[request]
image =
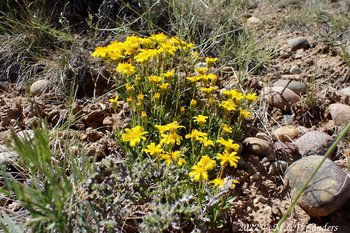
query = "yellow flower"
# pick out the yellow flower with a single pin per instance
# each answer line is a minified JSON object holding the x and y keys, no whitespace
{"x":182,"y":109}
{"x":200,"y":120}
{"x":130,"y":101}
{"x":129,"y":88}
{"x":140,"y":97}
{"x":227,"y":157}
{"x":201,"y":70}
{"x":153,"y":149}
{"x":212,"y":77}
{"x":100,"y":52}
{"x":166,"y":157}
{"x":207,"y":90}
{"x":156,"y":96}
{"x":126,"y":68}
{"x":234,"y":182}
{"x":181,"y":162}
{"x":167,"y":48}
{"x":169,"y":74}
{"x":206,"y":142}
{"x":244,"y":114}
{"x":194,"y":79}
{"x":195,"y":134}
{"x":144,"y":117}
{"x":199,"y":173}
{"x":218,"y":182}
{"x":170,"y":139}
{"x":228,"y":144}
{"x":207,"y":162}
{"x":193,"y":103}
{"x":114,"y":100}
{"x":233,"y":94}
{"x":210,"y":61}
{"x":251,"y":97}
{"x":164,"y":86}
{"x":228,"y":105}
{"x":146,"y":54}
{"x":172,"y":127}
{"x":155,"y":79}
{"x":159,"y":38}
{"x":226,"y":128}
{"x":134,"y":135}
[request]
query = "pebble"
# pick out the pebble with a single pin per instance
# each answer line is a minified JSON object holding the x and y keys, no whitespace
{"x":253,"y":21}
{"x":277,"y":167}
{"x":6,"y":155}
{"x":340,"y":113}
{"x":328,"y":190}
{"x":286,"y":133}
{"x":39,"y":87}
{"x":258,"y":146}
{"x":285,"y":54}
{"x":296,"y":86}
{"x":313,"y":142}
{"x":295,"y":70}
{"x":280,"y":97}
{"x":298,"y":43}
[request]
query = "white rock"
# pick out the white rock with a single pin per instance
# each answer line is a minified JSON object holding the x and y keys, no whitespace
{"x":38,"y":87}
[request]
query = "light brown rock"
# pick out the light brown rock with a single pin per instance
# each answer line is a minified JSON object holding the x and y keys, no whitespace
{"x":258,"y":146}
{"x":286,"y":133}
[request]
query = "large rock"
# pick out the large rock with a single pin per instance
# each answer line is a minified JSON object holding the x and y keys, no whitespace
{"x":340,"y":113}
{"x":39,"y":87}
{"x":280,"y":97}
{"x":296,"y":86}
{"x":328,"y":190}
{"x":313,"y":142}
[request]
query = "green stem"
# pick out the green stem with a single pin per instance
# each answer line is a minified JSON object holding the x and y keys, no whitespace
{"x":301,"y":191}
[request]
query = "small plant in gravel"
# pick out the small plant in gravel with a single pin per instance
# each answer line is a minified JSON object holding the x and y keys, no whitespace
{"x":180,"y":118}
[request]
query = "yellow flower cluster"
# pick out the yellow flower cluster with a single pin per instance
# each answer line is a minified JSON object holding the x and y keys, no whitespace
{"x":161,"y":83}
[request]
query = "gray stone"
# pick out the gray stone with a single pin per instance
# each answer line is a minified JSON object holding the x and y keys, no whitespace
{"x":313,"y":142}
{"x":328,"y":190}
{"x":298,"y":43}
{"x":295,"y":70}
{"x":280,"y":97}
{"x":6,"y":155}
{"x":39,"y":87}
{"x":340,"y":113}
{"x":296,"y":86}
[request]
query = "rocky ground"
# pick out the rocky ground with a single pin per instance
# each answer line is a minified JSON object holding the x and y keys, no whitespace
{"x":304,"y":103}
